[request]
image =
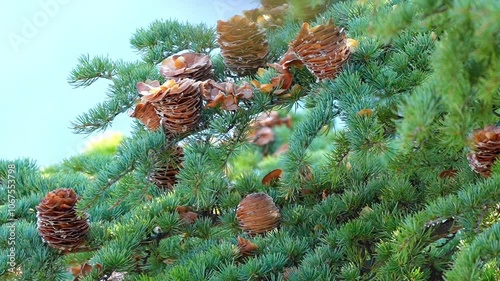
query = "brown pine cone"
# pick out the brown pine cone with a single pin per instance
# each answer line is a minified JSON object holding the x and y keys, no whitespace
{"x":323,"y":49}
{"x":164,"y":173}
{"x":257,"y":213}
{"x":187,"y":65}
{"x":261,"y":132}
{"x":178,"y":103}
{"x":225,"y":94}
{"x":487,"y":150}
{"x":146,"y":113}
{"x":57,"y":221}
{"x":243,"y":44}
{"x":186,"y":215}
{"x":246,"y":247}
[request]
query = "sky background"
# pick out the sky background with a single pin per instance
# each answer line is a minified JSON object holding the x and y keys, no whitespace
{"x":41,"y":41}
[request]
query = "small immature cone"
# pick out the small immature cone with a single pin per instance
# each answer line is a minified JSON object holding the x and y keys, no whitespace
{"x":323,"y":49}
{"x":80,"y":271}
{"x":257,"y":213}
{"x":246,"y":247}
{"x":243,"y":44}
{"x":187,"y":65}
{"x":57,"y":221}
{"x":164,"y":173}
{"x":487,"y":150}
{"x":186,"y":215}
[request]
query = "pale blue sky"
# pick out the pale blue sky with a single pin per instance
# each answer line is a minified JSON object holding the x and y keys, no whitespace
{"x":40,"y":43}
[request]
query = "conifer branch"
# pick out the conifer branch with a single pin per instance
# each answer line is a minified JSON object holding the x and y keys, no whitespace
{"x":476,"y":261}
{"x":89,"y":70}
{"x":164,"y":38}
{"x":122,"y":95}
{"x":294,"y":160}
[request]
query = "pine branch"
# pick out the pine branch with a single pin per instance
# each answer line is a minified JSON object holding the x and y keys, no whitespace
{"x":477,"y":260}
{"x":295,"y":165}
{"x":164,"y":38}
{"x":129,"y":152}
{"x":122,"y":94}
{"x":412,"y":238}
{"x":89,"y":70}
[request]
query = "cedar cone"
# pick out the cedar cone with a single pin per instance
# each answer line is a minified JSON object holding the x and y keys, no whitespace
{"x":178,"y":103}
{"x":146,"y":113}
{"x":487,"y":150}
{"x":323,"y":49}
{"x":57,"y":221}
{"x":164,"y":173}
{"x":186,"y":215}
{"x":246,"y":247}
{"x":261,"y":136}
{"x":187,"y":65}
{"x":243,"y":44}
{"x":262,"y":133}
{"x":80,"y":271}
{"x":225,"y":94}
{"x":257,"y":213}
{"x":272,"y":119}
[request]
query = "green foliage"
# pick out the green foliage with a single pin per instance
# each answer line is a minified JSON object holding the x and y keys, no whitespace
{"x":89,"y":70}
{"x":375,"y":185}
{"x":163,"y":38}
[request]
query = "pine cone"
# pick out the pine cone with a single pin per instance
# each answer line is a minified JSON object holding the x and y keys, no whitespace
{"x":323,"y":49}
{"x":187,"y":65}
{"x":243,"y":44}
{"x":57,"y":221}
{"x":246,"y":247}
{"x":262,"y":133}
{"x":186,"y":215}
{"x":272,"y":119}
{"x":178,"y":103}
{"x":164,"y":173}
{"x":146,"y":113}
{"x":225,"y":94}
{"x":257,"y":213}
{"x":261,"y":136}
{"x":487,"y":150}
